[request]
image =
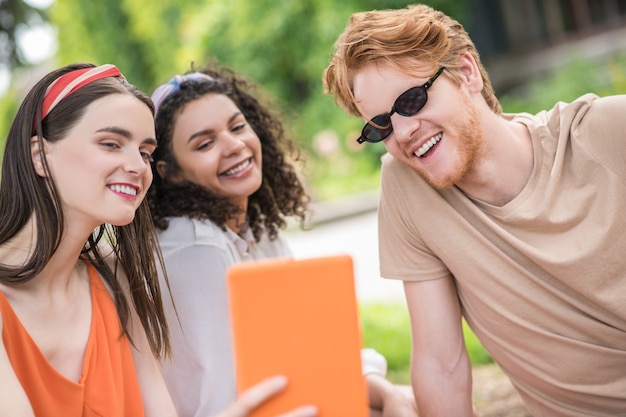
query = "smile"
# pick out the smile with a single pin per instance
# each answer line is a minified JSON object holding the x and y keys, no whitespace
{"x":123,"y":189}
{"x":428,"y":145}
{"x":238,"y":168}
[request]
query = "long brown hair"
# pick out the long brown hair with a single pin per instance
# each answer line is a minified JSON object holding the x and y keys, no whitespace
{"x":25,"y":195}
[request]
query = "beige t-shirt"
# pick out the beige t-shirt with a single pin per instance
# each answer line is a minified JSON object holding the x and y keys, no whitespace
{"x":541,"y":280}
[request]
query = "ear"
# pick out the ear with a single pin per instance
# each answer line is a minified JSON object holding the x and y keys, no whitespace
{"x":161,"y":168}
{"x":36,"y":155}
{"x":470,"y":74}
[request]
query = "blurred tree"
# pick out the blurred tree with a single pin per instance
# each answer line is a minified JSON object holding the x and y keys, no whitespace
{"x":103,"y":34}
{"x":283,"y":45}
{"x":16,"y":16}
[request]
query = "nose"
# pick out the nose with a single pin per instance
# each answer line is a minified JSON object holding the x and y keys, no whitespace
{"x":135,"y":162}
{"x":232,"y":144}
{"x":404,"y":127}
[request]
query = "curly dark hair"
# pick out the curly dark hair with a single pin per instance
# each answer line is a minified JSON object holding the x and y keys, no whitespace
{"x":281,"y":193}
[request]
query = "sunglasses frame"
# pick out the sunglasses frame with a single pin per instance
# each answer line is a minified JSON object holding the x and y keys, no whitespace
{"x":386,"y":117}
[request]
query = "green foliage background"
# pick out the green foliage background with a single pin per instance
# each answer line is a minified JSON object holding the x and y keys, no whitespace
{"x":579,"y":76}
{"x":283,"y":45}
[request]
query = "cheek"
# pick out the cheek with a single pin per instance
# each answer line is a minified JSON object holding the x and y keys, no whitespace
{"x":391,"y":146}
{"x":259,"y":157}
{"x":253,"y":142}
{"x":200,"y":169}
{"x":148,"y":177}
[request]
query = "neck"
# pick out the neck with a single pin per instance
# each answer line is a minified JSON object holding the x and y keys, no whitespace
{"x":61,"y":266}
{"x":504,"y":166}
{"x":236,"y":224}
{"x":19,"y":248}
{"x":238,"y":221}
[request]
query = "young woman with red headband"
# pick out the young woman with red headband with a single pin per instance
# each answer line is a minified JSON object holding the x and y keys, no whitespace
{"x":81,"y":317}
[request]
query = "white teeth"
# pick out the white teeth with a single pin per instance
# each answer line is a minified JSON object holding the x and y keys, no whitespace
{"x":426,"y":147}
{"x":124,"y":189}
{"x":238,"y":168}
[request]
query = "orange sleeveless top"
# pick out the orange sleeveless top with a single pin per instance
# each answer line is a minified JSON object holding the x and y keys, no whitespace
{"x":108,"y":385}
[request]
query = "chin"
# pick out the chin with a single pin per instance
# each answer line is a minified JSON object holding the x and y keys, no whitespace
{"x":122,"y":220}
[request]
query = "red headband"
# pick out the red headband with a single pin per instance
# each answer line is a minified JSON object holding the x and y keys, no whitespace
{"x":67,"y":83}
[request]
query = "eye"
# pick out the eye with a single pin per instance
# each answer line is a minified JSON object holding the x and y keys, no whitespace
{"x":146,"y":150}
{"x":205,"y":144}
{"x":111,"y":145}
{"x":147,"y":156}
{"x":239,"y":127}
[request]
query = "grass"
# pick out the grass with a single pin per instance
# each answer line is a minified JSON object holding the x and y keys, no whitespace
{"x":386,"y":327}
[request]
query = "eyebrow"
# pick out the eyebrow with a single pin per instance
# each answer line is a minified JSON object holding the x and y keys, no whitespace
{"x":209,"y":131}
{"x":126,"y":133}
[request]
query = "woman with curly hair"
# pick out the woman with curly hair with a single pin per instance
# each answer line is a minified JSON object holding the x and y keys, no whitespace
{"x":223,"y":186}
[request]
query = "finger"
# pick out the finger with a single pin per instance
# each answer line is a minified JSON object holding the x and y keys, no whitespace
{"x":305,"y":411}
{"x":257,"y":395}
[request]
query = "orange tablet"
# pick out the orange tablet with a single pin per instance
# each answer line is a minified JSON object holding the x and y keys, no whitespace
{"x":299,"y":318}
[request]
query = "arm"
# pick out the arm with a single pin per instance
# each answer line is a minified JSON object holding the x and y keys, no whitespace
{"x":440,"y":367}
{"x":156,"y":399}
{"x":155,"y":396}
{"x":12,"y":396}
{"x":201,"y":375}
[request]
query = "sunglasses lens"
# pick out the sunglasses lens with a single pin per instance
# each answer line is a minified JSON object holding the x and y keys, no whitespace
{"x":407,"y":104}
{"x":411,"y":101}
{"x":378,"y":129}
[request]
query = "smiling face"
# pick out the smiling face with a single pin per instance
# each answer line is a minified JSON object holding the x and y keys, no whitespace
{"x":442,"y":141}
{"x":102,"y":167}
{"x":216,"y":148}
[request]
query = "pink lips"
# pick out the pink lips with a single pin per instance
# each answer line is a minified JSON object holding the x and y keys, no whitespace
{"x":238,"y":170}
{"x":128,"y":191}
{"x":428,"y":145}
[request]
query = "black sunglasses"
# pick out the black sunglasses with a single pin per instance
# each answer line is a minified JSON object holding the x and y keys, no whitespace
{"x":407,"y":104}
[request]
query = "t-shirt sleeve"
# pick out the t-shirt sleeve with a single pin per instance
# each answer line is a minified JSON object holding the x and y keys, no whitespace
{"x":403,"y":253}
{"x":600,"y":128}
